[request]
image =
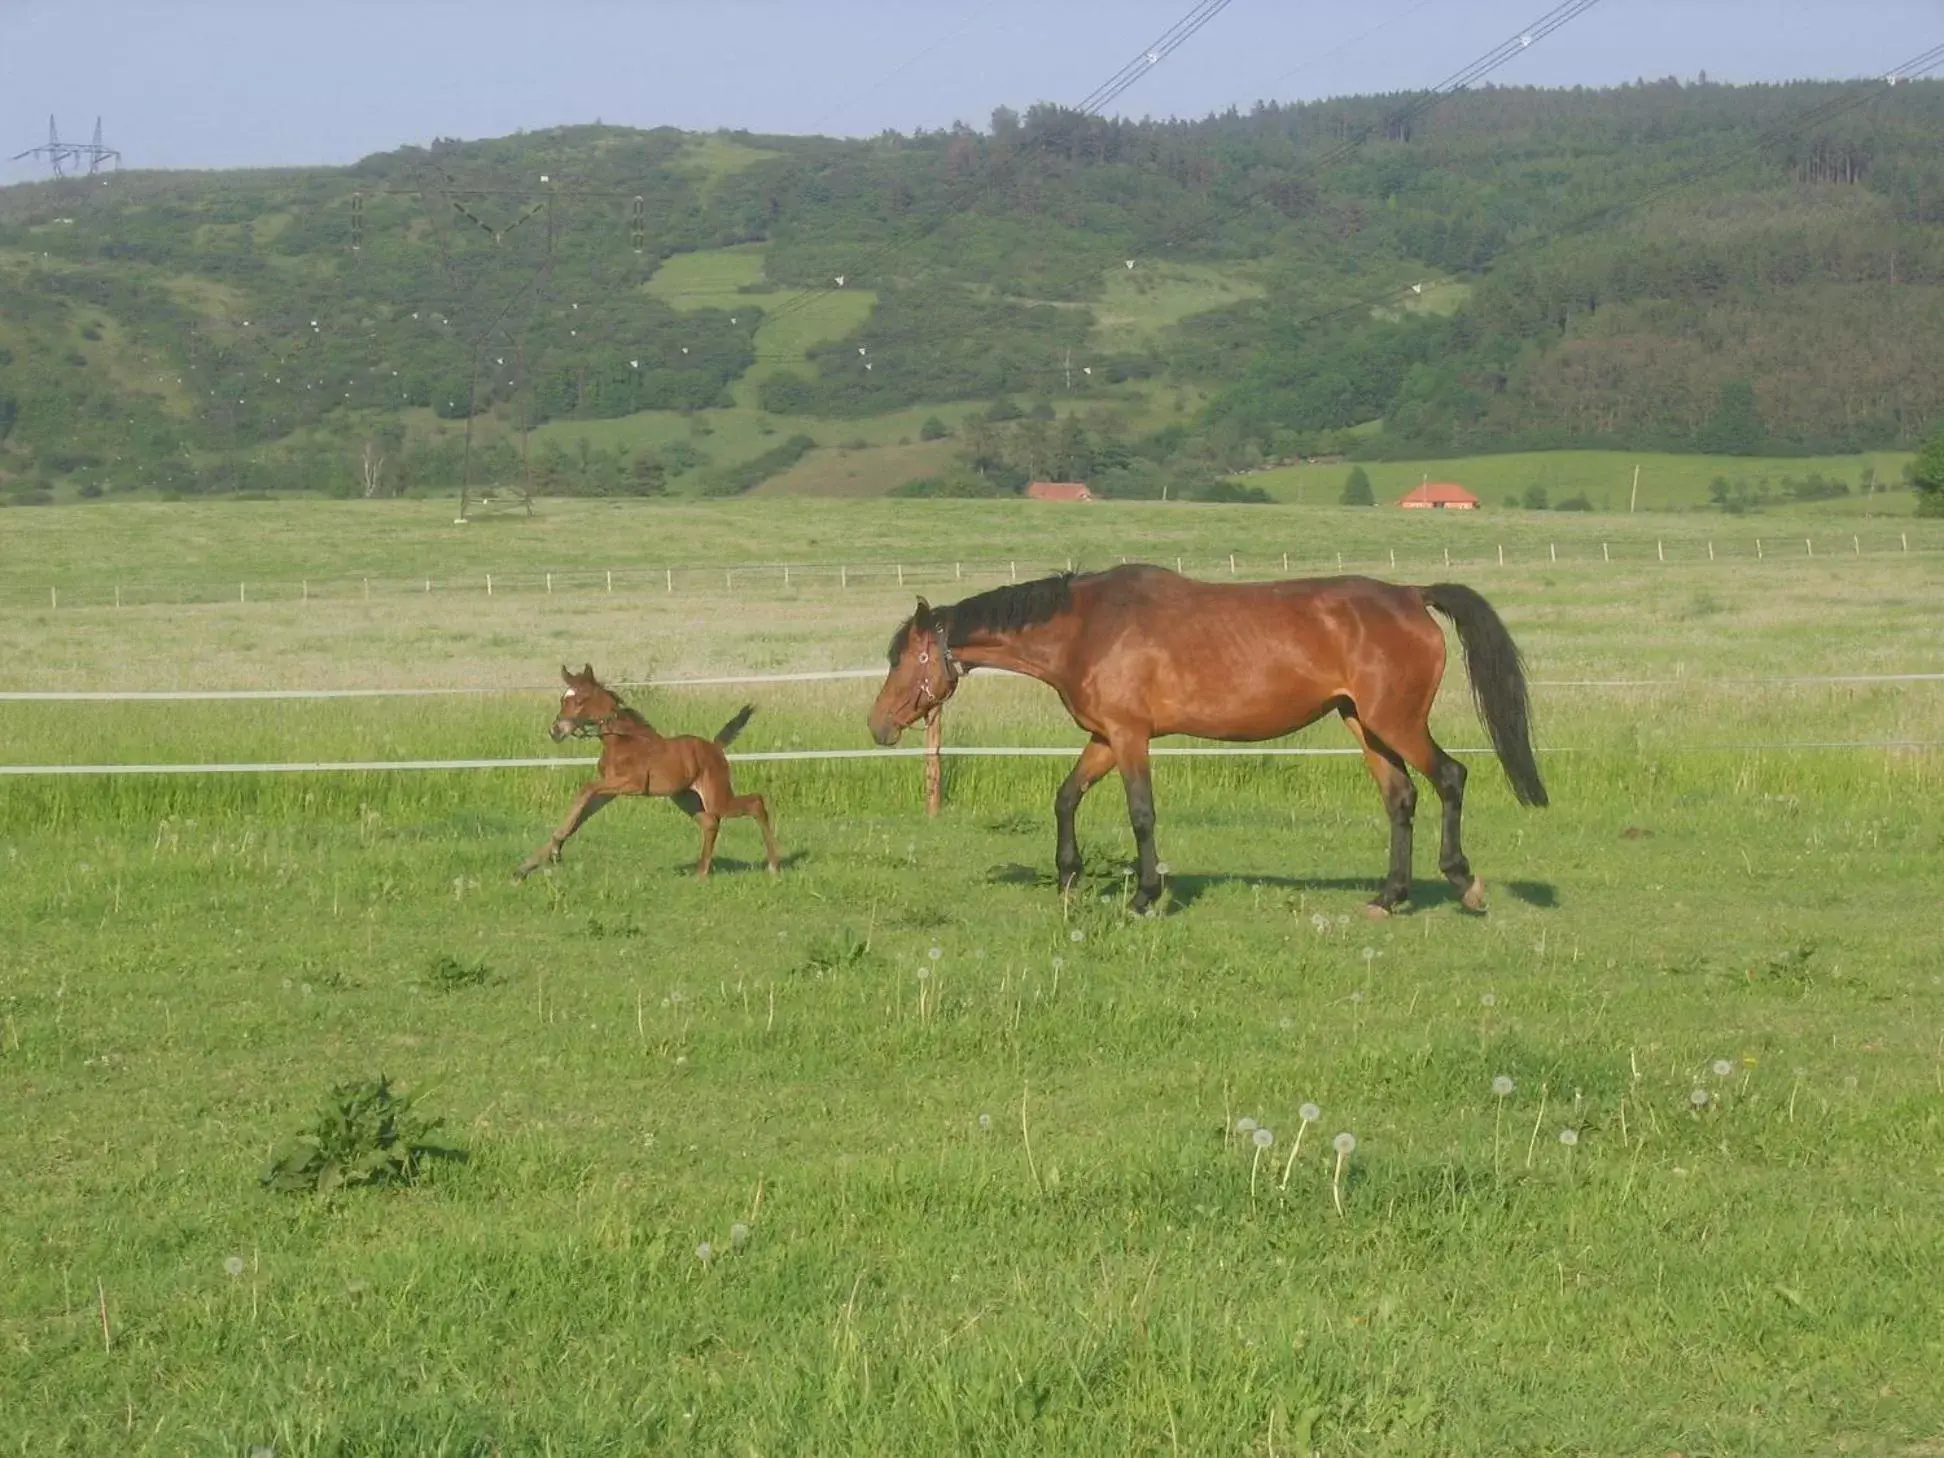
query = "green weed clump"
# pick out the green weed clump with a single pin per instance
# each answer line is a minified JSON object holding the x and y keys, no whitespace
{"x":451,"y":974}
{"x":364,"y":1134}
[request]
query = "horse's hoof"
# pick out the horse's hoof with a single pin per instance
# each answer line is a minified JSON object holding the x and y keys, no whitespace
{"x":1474,"y":897}
{"x":1377,"y":911}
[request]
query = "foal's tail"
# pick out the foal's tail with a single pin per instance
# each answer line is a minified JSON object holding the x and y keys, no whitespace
{"x":1498,"y":683}
{"x":727,"y":733}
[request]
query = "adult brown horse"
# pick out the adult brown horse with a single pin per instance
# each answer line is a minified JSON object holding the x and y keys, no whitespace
{"x":1139,"y":651}
{"x":635,"y":760}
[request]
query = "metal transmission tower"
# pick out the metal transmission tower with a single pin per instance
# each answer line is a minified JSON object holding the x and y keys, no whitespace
{"x":61,"y":155}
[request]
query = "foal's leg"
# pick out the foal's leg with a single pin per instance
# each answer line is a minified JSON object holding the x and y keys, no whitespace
{"x":753,"y":806}
{"x":1132,"y":756}
{"x":593,"y":795}
{"x":1393,"y":779}
{"x":1095,"y":760}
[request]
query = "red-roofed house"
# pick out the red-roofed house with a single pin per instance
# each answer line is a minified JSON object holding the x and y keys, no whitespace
{"x":1059,"y":491}
{"x":1439,"y":496}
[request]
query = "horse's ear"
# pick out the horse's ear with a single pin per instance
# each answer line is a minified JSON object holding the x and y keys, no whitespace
{"x":566,"y":674}
{"x":923,"y":615}
{"x":587,"y":673}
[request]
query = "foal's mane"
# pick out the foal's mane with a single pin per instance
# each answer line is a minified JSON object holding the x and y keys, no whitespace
{"x":623,"y":713}
{"x":1000,"y":611}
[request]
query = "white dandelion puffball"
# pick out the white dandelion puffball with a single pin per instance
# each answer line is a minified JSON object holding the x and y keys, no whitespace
{"x":1310,"y":1113}
{"x":739,"y":1235}
{"x":935,"y":953}
{"x":1490,"y":999}
{"x":1503,"y":1085}
{"x":233,"y":1266}
{"x":1262,"y":1138}
{"x":985,"y":1123}
{"x":704,"y":1252}
{"x":1245,"y":1125}
{"x":1699,"y":1098}
{"x":1345,"y":1143}
{"x":1722,"y":1068}
{"x":1569,"y":1137}
{"x":1076,"y":935}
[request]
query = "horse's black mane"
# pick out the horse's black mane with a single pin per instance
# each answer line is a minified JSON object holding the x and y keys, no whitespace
{"x":1002,"y":610}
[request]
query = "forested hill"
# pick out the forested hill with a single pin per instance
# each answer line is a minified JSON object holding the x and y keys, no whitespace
{"x":1689,"y":266}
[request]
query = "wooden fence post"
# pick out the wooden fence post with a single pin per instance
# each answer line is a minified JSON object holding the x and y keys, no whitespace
{"x":934,"y":765}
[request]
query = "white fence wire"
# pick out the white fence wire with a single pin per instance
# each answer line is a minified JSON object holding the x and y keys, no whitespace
{"x":1623,"y":549}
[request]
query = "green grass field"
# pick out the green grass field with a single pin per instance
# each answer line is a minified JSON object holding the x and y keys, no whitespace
{"x":1668,"y":482}
{"x":713,"y":279}
{"x":1139,"y":304}
{"x":981,"y":1144}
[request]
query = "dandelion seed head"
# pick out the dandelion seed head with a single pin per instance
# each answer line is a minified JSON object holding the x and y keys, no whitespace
{"x":1262,"y":1139}
{"x":1245,"y":1125}
{"x":985,"y":1123}
{"x":705,"y":1252}
{"x":233,"y":1265}
{"x":1569,"y":1137}
{"x":1345,"y":1143}
{"x":1489,"y":999}
{"x":1722,"y":1068}
{"x":924,"y":973}
{"x":1309,"y":1113}
{"x":935,"y":953}
{"x":739,"y":1235}
{"x":1503,"y":1085}
{"x":1699,"y":1098}
{"x":1356,"y":997}
{"x":1058,"y":963}
{"x":1076,"y":935}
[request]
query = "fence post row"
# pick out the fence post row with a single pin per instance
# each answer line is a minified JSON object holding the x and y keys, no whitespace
{"x":1012,"y":569}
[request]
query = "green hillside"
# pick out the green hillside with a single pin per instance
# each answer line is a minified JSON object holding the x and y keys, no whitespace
{"x":1156,"y":306}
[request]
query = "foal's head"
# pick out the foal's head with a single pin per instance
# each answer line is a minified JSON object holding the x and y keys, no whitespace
{"x":923,"y":674}
{"x":585,"y":704}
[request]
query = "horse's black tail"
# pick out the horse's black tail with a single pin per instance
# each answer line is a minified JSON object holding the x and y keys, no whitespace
{"x":727,"y":733}
{"x":1498,"y":683}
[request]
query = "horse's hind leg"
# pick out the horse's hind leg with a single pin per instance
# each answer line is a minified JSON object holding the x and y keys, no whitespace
{"x":711,"y":825}
{"x":753,"y":806}
{"x":1448,"y":775}
{"x":1132,"y":756}
{"x":1393,"y":779}
{"x":1414,"y":743}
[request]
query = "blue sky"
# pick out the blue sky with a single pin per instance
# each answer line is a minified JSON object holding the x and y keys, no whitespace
{"x":217,"y":83}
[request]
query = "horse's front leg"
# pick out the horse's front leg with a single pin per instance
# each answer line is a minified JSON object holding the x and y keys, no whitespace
{"x":1133,"y":759}
{"x":593,"y":795}
{"x":1095,"y":760}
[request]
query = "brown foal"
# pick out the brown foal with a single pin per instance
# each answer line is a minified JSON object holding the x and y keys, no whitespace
{"x":1137,"y":652}
{"x":635,"y":760}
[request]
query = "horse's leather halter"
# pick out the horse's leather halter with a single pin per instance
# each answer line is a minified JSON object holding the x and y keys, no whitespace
{"x":924,"y":701}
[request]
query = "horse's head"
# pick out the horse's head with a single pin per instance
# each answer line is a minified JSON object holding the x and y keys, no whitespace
{"x":923,"y":674}
{"x":585,"y":704}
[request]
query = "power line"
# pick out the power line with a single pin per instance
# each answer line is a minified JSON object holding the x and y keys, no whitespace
{"x":1465,"y":77}
{"x":1117,"y":85}
{"x":898,"y":70}
{"x":1915,"y":68}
